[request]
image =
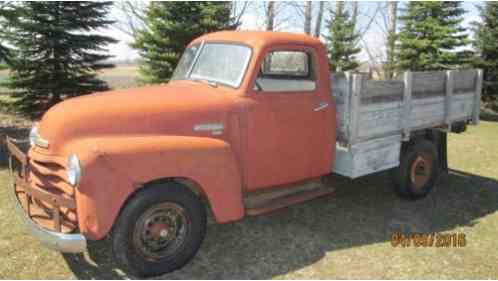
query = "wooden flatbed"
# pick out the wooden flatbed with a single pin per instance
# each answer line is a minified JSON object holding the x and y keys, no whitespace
{"x":375,"y":117}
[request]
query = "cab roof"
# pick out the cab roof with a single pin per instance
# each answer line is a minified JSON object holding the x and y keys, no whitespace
{"x":260,"y":38}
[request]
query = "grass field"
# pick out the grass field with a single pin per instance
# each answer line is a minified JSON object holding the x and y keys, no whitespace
{"x":346,"y":236}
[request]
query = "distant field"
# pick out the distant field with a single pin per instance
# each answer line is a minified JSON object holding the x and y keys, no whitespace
{"x":122,"y":76}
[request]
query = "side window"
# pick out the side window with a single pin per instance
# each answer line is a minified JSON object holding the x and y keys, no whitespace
{"x":286,"y":71}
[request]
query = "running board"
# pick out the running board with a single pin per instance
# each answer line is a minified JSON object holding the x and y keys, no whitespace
{"x":288,"y":200}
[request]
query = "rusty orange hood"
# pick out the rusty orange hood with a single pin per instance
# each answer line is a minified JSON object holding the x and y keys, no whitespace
{"x":171,"y":109}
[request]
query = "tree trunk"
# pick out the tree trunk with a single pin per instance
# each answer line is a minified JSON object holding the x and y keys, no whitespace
{"x":307,"y":17}
{"x":270,"y":15}
{"x":339,"y":8}
{"x":354,"y":15}
{"x":318,"y":24}
{"x":238,"y":11}
{"x":391,"y":38}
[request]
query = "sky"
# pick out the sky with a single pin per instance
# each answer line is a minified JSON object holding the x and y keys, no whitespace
{"x":290,"y":19}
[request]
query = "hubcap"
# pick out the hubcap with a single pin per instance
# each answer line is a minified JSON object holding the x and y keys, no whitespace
{"x":161,"y":230}
{"x":421,"y":170}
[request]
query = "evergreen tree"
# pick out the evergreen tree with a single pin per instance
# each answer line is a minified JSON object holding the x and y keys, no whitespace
{"x":486,"y":44}
{"x":343,"y":41}
{"x":170,"y":27}
{"x":430,"y":35}
{"x":6,"y":12}
{"x":4,"y":56}
{"x":55,"y":54}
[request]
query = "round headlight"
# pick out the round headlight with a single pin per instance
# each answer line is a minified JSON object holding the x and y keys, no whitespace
{"x":73,"y":170}
{"x":33,"y":134}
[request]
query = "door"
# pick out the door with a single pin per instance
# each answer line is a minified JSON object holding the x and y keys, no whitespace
{"x":287,"y":125}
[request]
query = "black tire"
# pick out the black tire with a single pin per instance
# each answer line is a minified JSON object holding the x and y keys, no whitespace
{"x":418,"y":170}
{"x":146,"y":212}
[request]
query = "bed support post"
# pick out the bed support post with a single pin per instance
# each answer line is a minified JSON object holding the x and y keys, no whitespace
{"x":450,"y":85}
{"x":477,"y":97}
{"x":357,"y":81}
{"x":407,"y":105}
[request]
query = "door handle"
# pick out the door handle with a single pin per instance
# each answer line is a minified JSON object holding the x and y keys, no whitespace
{"x":321,"y":106}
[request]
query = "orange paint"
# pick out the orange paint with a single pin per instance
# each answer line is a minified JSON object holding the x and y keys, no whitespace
{"x":126,"y":138}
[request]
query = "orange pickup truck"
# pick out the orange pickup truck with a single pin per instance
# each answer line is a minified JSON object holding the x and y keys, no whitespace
{"x":245,"y":114}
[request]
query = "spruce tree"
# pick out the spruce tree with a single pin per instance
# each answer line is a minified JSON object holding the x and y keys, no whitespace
{"x":430,"y":36}
{"x":486,"y":45}
{"x":4,"y":56}
{"x":7,"y":11}
{"x":170,"y":27}
{"x":342,"y":41}
{"x":56,"y":52}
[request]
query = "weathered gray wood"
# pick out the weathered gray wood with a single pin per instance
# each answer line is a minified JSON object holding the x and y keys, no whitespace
{"x":428,"y":84}
{"x":341,"y":88}
{"x":349,"y":91}
{"x":430,"y":112}
{"x":450,"y":83}
{"x":382,"y":88}
{"x":368,"y":157}
{"x":477,"y":97}
{"x":464,"y":81}
{"x":364,"y":123}
{"x":379,"y":120}
{"x":357,"y":83}
{"x":407,"y":103}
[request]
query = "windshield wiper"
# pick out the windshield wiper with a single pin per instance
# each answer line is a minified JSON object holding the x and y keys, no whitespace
{"x":211,"y":83}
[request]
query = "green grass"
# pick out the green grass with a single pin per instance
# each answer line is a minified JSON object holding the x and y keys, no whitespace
{"x":347,"y":236}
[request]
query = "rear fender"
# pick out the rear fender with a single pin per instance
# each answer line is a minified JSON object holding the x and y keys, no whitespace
{"x":114,"y":168}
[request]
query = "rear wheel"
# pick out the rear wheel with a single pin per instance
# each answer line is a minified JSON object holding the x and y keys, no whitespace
{"x":418,"y":170}
{"x":159,"y":230}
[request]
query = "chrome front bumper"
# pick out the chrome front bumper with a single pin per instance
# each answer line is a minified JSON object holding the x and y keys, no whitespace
{"x":62,"y":242}
{"x":66,"y":243}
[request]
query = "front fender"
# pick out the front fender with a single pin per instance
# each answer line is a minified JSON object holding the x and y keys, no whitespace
{"x":115,"y":167}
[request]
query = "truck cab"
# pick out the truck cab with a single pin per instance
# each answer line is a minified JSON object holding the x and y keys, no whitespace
{"x":245,"y":113}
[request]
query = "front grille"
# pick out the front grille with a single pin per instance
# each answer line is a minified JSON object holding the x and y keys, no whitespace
{"x":49,"y":175}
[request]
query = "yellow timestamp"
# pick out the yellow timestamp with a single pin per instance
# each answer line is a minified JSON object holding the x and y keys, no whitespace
{"x":438,"y":240}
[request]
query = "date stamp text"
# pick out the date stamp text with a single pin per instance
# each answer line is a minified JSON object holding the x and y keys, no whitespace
{"x":438,"y":240}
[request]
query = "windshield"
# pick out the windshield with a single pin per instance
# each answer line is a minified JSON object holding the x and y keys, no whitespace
{"x":214,"y":62}
{"x":185,"y":62}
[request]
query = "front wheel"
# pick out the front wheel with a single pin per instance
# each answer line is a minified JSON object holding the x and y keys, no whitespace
{"x":418,"y":170}
{"x":159,"y":230}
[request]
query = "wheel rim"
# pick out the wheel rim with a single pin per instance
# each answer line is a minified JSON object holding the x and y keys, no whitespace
{"x":161,"y":231}
{"x":421,"y":170}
